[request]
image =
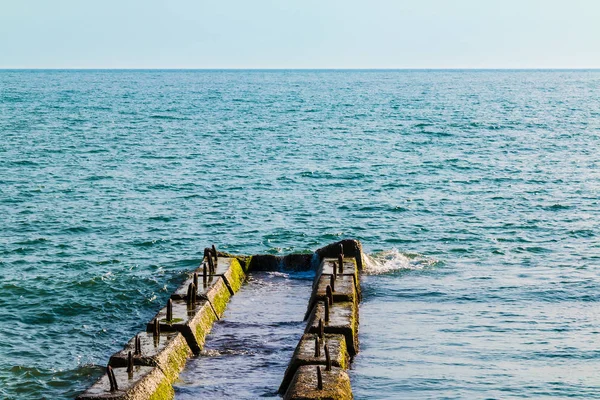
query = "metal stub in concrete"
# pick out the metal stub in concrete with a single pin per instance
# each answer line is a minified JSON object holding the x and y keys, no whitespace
{"x":194,"y":323}
{"x":217,"y":293}
{"x":343,"y":319}
{"x":343,"y":290}
{"x":330,"y":266}
{"x":228,"y":269}
{"x":305,"y":385}
{"x":349,"y":247}
{"x":168,"y":351}
{"x":305,"y":355}
{"x":142,"y":384}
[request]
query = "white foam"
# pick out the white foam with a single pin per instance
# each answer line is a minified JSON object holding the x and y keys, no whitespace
{"x":394,"y":260}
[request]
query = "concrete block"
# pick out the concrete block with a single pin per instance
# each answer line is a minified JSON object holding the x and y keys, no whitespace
{"x":194,"y":323}
{"x":228,"y":269}
{"x":336,"y":385}
{"x":350,"y":268}
{"x":343,"y":320}
{"x":344,"y":289}
{"x":143,"y":384}
{"x":305,"y":355}
{"x":352,"y":248}
{"x":168,"y":351}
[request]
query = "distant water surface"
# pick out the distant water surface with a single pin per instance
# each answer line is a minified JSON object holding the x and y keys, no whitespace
{"x":476,"y":193}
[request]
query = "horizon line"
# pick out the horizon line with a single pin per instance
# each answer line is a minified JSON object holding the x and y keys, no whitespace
{"x":300,"y":69}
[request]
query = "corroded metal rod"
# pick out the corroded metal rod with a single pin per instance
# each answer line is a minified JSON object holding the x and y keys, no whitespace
{"x":329,"y":294}
{"x":317,"y":347}
{"x":332,"y":283}
{"x":326,"y":310}
{"x":341,"y":263}
{"x":169,"y":310}
{"x":138,"y":345}
{"x":156,"y":331}
{"x":195,"y":280}
{"x":319,"y":379}
{"x":129,"y":363}
{"x":214,"y":250}
{"x":190,"y":294}
{"x":321,"y":329}
{"x":211,"y":265}
{"x":327,"y":359}
{"x":111,"y":379}
{"x":334,"y":270}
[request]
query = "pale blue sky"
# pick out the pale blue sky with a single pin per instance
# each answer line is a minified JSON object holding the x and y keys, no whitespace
{"x":300,"y":34}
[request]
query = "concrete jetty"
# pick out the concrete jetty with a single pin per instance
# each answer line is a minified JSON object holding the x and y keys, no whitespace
{"x":151,"y":361}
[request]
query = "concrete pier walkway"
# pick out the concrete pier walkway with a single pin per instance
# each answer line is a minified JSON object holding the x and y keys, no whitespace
{"x":150,"y":363}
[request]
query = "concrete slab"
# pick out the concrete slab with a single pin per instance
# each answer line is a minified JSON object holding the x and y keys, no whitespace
{"x":228,"y":269}
{"x":194,"y":323}
{"x":305,"y":355}
{"x":143,"y":384}
{"x":169,"y":352}
{"x":336,"y":385}
{"x":344,"y":290}
{"x":343,"y":320}
{"x":217,"y":293}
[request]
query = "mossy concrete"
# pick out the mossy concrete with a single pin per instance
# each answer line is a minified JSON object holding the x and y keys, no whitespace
{"x":305,"y":355}
{"x":344,"y":290}
{"x":143,"y":384}
{"x":233,"y":274}
{"x":168,"y":351}
{"x":228,"y":268}
{"x":336,"y":385}
{"x":343,"y":319}
{"x":196,"y":322}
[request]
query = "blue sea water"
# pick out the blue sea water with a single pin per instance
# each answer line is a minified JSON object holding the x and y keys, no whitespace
{"x":476,"y":194}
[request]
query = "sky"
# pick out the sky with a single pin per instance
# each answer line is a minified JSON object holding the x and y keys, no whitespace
{"x":300,"y":34}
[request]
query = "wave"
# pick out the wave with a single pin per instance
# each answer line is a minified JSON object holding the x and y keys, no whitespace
{"x":393,"y":260}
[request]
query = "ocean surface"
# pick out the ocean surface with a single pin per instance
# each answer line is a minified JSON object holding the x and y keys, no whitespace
{"x":475,"y":193}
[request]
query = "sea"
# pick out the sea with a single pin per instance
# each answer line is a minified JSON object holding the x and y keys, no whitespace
{"x":475,"y":194}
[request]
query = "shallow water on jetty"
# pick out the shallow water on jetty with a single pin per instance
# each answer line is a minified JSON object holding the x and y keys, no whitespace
{"x":247,"y":352}
{"x":477,"y":191}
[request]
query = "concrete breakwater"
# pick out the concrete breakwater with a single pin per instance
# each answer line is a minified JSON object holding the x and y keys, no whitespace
{"x":152,"y":360}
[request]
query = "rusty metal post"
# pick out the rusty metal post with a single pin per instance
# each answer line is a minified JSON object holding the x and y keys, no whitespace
{"x":214,"y":250}
{"x":319,"y":379}
{"x":129,"y":363}
{"x":169,"y":310}
{"x":317,"y":347}
{"x":321,"y":329}
{"x":327,"y":359}
{"x":111,"y":379}
{"x":138,"y":345}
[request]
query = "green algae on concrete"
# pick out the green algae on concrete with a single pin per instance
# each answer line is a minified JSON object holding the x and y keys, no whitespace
{"x":343,"y":319}
{"x":234,"y":275}
{"x":336,"y":385}
{"x":168,"y":351}
{"x":143,"y":384}
{"x":305,"y":355}
{"x":196,"y":322}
